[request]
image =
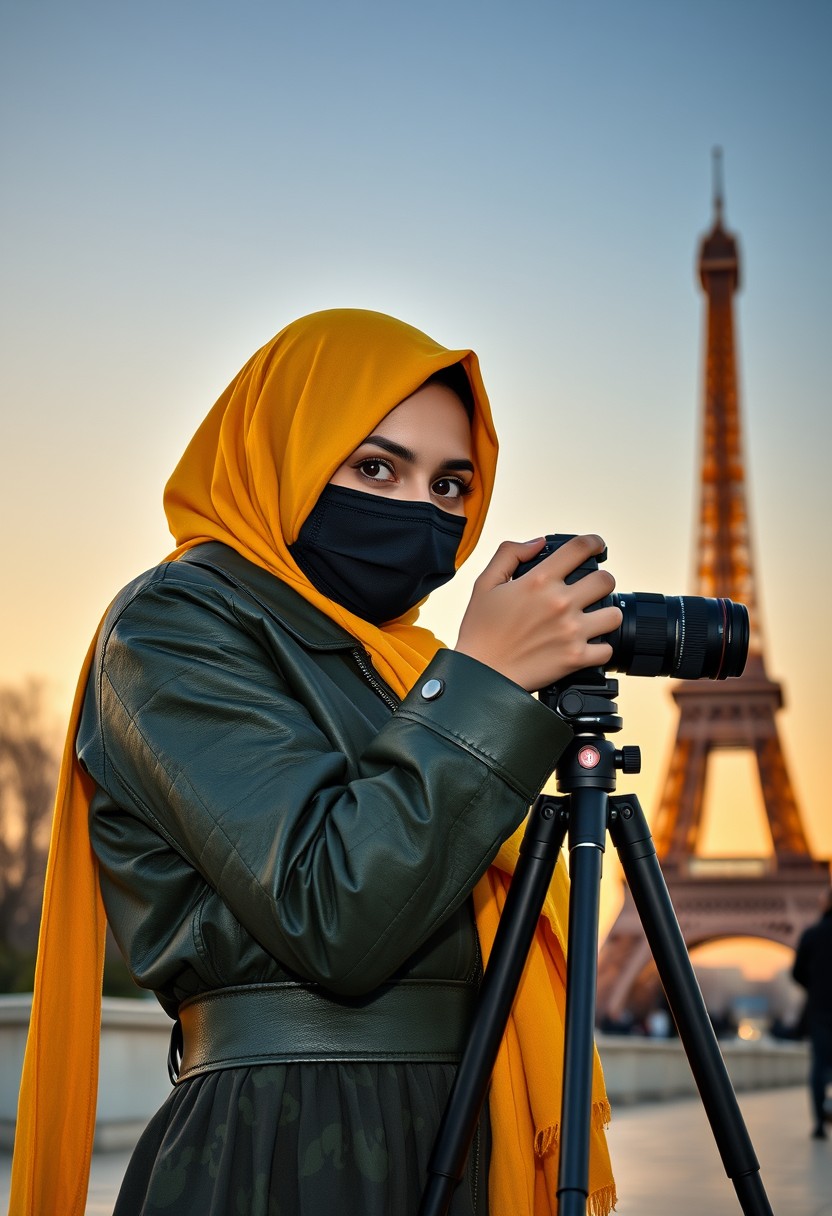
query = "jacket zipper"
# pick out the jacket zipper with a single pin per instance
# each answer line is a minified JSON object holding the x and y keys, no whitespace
{"x":364,"y":666}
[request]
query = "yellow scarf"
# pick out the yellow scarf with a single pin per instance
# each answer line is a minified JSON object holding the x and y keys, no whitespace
{"x":249,"y":478}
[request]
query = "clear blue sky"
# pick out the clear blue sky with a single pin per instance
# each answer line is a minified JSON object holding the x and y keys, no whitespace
{"x":181,"y":179}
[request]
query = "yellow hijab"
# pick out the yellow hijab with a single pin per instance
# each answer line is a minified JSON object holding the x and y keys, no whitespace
{"x":249,"y":478}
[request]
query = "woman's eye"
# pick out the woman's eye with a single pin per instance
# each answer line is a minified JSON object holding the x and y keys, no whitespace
{"x":375,"y":470}
{"x":450,"y":487}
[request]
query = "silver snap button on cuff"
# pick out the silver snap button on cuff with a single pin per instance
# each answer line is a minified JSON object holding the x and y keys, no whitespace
{"x":431,"y":689}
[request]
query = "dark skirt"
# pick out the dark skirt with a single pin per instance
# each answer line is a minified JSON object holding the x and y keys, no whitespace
{"x":299,"y":1140}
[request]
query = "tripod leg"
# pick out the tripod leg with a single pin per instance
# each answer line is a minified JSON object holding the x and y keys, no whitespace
{"x":587,"y":835}
{"x":631,"y":837}
{"x":539,"y":851}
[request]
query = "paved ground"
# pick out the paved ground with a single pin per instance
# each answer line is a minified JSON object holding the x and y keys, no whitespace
{"x":664,"y":1157}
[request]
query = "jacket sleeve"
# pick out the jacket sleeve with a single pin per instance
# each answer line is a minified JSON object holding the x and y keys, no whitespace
{"x":339,"y":869}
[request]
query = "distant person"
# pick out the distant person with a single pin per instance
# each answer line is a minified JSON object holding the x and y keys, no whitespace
{"x":813,"y":971}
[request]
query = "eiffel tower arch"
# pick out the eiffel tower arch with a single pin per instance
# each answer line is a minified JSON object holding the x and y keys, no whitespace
{"x":773,"y":898}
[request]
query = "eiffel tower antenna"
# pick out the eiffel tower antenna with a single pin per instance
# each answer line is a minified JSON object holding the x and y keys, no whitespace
{"x":724,"y":564}
{"x":775,"y":898}
{"x":719,"y":193}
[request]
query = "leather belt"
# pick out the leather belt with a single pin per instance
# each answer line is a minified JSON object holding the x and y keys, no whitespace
{"x":416,"y":1020}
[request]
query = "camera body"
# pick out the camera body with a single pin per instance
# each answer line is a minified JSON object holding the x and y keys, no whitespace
{"x":687,"y":637}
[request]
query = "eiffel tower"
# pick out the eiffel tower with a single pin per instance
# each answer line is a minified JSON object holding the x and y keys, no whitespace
{"x":773,"y":898}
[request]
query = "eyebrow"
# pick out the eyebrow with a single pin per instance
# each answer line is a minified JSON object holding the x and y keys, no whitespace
{"x":398,"y":449}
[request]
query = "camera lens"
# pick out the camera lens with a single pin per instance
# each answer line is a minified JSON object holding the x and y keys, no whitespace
{"x":688,"y":637}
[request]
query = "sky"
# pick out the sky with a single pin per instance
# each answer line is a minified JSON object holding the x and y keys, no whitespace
{"x":182,"y":179}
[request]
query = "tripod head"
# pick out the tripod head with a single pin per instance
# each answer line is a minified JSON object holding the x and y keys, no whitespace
{"x":585,"y":702}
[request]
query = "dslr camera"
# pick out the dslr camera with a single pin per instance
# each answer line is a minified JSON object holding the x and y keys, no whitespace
{"x":688,"y":637}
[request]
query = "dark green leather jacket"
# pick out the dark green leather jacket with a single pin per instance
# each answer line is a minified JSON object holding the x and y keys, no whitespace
{"x":266,"y":809}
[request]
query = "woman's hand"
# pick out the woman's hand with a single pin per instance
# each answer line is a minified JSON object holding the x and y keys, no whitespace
{"x":534,"y":630}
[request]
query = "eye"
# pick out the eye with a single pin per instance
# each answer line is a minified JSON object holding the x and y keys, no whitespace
{"x":450,"y":487}
{"x":376,"y":469}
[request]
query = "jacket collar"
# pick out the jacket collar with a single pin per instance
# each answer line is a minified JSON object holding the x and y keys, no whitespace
{"x":303,"y":620}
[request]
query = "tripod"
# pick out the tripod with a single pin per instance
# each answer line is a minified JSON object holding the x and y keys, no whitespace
{"x":586,"y":776}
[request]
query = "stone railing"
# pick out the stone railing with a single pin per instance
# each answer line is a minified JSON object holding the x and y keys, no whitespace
{"x":651,"y":1070}
{"x":133,"y":1078}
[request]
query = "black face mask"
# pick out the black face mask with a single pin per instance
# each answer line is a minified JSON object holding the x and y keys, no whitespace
{"x":376,"y":556}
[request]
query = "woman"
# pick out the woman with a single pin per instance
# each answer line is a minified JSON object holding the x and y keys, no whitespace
{"x":294,"y":790}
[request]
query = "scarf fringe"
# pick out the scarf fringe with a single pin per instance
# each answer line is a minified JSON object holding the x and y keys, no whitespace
{"x":546,"y":1138}
{"x":602,"y":1202}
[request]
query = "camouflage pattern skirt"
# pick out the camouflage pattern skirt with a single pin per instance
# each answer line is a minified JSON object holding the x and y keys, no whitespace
{"x":298,"y":1140}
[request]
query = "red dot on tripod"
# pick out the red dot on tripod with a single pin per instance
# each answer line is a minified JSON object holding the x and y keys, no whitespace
{"x":588,"y":757}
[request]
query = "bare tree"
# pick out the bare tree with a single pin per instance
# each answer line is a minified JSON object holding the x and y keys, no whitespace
{"x":28,"y":774}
